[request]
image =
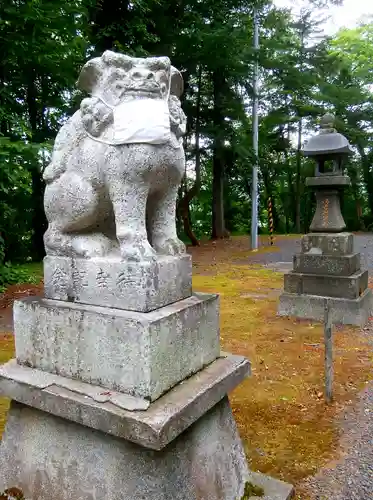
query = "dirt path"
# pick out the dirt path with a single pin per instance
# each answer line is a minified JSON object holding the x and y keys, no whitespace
{"x":351,"y":477}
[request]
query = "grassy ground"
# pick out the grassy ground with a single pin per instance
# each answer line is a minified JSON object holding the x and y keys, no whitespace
{"x":6,"y":353}
{"x":287,"y":429}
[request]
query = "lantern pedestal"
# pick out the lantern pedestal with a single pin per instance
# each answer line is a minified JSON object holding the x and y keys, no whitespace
{"x":327,"y":268}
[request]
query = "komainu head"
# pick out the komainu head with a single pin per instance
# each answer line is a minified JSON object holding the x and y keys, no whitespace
{"x":113,"y":76}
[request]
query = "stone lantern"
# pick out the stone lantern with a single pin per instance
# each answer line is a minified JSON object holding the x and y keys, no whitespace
{"x":327,"y":267}
{"x":329,"y":149}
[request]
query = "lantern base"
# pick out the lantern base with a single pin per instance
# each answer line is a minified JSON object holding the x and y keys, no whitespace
{"x":327,"y":285}
{"x":327,"y":268}
{"x":343,"y":311}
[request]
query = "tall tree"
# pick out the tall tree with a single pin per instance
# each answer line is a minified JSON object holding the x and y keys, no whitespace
{"x":43,"y":47}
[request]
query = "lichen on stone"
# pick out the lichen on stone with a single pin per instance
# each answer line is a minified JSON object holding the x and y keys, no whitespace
{"x":12,"y":494}
{"x":251,"y":490}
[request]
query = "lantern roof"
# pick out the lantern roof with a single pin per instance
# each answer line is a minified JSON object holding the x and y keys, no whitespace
{"x":328,"y":141}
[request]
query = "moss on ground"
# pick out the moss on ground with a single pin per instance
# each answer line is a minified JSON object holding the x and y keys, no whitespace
{"x":287,"y":429}
{"x":6,"y":353}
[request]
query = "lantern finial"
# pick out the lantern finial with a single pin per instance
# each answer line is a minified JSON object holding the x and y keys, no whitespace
{"x":327,"y":122}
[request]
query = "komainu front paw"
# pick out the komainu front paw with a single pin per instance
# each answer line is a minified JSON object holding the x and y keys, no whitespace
{"x":137,"y":252}
{"x":169,"y":246}
{"x":92,"y":245}
{"x":56,"y":242}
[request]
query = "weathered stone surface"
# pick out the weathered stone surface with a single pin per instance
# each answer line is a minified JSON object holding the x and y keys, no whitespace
{"x":334,"y":265}
{"x":135,"y":286}
{"x":348,"y":287}
{"x":51,"y":458}
{"x":142,"y":354}
{"x":117,"y":163}
{"x":329,"y":149}
{"x":342,"y":311}
{"x":328,"y":216}
{"x":273,"y":488}
{"x":327,"y":267}
{"x":329,"y":244}
{"x":328,"y":141}
{"x":155,"y":428}
{"x":48,"y":457}
{"x":328,"y":181}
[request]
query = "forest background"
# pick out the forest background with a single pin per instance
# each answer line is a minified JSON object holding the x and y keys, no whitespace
{"x":303,"y":74}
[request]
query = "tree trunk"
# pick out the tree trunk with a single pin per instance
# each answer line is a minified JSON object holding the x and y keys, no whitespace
{"x":188,"y":229}
{"x":367,"y":175}
{"x":291,"y":206}
{"x":287,"y":225}
{"x":218,"y":221}
{"x":39,"y":223}
{"x":184,"y":202}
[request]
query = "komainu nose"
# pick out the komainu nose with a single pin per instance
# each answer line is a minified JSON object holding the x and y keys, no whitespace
{"x":142,"y":74}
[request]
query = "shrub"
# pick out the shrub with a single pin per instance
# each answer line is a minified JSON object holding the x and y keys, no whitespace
{"x":13,"y":274}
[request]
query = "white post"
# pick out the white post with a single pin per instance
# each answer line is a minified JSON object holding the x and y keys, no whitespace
{"x":254,"y":189}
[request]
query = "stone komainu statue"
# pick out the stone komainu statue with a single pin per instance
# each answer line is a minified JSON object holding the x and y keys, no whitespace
{"x":117,"y":163}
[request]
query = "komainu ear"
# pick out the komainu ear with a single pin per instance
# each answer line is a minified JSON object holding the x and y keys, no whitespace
{"x":90,"y":74}
{"x":115,"y":59}
{"x":177,"y":82}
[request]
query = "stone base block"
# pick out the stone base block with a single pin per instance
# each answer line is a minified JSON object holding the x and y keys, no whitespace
{"x":327,"y":243}
{"x":343,"y":311}
{"x":154,"y":428}
{"x":49,"y":457}
{"x":142,"y":354}
{"x":134,"y":286}
{"x":273,"y":488}
{"x":348,"y":287}
{"x":330,"y":265}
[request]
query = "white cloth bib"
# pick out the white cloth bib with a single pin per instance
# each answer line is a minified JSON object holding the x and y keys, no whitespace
{"x":142,"y":120}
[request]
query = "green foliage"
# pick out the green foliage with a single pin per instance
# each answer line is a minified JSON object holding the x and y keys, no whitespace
{"x":45,"y":42}
{"x":43,"y":45}
{"x":14,"y":274}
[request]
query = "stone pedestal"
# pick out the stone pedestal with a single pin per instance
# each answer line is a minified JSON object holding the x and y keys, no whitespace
{"x":328,"y":268}
{"x":118,"y":404}
{"x":142,"y":354}
{"x":67,"y":439}
{"x":110,"y":282}
{"x":119,"y":389}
